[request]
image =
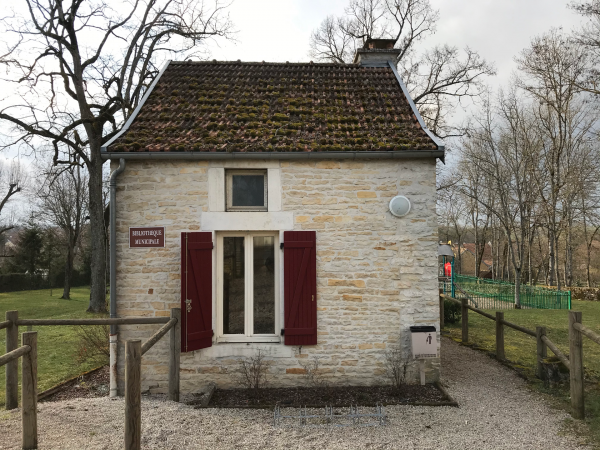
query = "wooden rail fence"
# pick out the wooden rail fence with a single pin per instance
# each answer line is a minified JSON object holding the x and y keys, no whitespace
{"x":574,"y":362}
{"x":133,"y":368}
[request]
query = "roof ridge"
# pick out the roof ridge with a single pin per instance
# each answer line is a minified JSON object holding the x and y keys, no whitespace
{"x":270,"y":63}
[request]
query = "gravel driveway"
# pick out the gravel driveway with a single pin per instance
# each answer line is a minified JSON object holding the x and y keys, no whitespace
{"x":497,"y":412}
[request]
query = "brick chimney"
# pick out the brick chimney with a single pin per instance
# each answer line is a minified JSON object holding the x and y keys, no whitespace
{"x":376,"y":52}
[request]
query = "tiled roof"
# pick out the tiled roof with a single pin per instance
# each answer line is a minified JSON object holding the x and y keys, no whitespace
{"x":487,"y":252}
{"x":265,"y":107}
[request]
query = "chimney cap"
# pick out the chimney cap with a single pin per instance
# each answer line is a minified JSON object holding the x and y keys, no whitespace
{"x":377,"y":52}
{"x":381,"y":44}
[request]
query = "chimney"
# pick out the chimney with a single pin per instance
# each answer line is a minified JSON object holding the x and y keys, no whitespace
{"x":377,"y":52}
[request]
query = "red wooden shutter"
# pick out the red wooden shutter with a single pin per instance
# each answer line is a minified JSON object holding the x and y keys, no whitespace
{"x":196,"y":290}
{"x":300,"y":287}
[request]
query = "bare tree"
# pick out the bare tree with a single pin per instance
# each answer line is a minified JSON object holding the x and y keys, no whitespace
{"x":452,"y":211}
{"x":437,"y":79}
{"x":505,"y":152}
{"x":550,"y":68}
{"x":81,"y":68}
{"x":63,"y":201}
{"x":12,"y":179}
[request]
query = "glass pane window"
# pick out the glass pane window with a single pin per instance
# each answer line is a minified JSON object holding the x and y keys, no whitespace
{"x":233,"y":285}
{"x":264,"y":284}
{"x":246,"y":190}
{"x":247,"y":291}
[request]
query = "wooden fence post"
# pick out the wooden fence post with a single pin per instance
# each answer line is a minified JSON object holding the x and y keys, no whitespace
{"x":542,"y":351}
{"x":500,"y":336}
{"x":133,"y":394}
{"x":441,"y":310}
{"x":465,"y":320}
{"x":29,"y":392}
{"x":174,"y":355}
{"x":12,"y":368}
{"x":576,"y":361}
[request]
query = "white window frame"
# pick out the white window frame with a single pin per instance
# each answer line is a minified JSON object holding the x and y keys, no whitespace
{"x":229,"y":189}
{"x":249,"y":335}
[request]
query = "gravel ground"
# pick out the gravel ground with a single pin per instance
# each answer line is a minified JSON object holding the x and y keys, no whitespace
{"x":497,"y":412}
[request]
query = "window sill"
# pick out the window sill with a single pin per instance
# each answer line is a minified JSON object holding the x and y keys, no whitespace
{"x":248,"y":340}
{"x":247,"y":349}
{"x":230,"y":210}
{"x":246,"y":221}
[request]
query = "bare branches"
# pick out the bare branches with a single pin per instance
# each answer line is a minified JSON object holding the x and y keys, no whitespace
{"x":589,"y":38}
{"x":252,"y":371}
{"x":530,"y":164}
{"x":96,"y":60}
{"x":330,"y":42}
{"x":80,"y":68}
{"x":438,"y":79}
{"x":11,"y":182}
{"x":63,"y":201}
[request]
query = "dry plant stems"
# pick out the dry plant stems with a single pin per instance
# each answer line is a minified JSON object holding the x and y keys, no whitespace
{"x":396,"y":367}
{"x":93,"y":343}
{"x":252,"y":371}
{"x":313,"y":375}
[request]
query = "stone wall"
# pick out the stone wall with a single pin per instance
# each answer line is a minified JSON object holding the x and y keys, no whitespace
{"x":376,"y":273}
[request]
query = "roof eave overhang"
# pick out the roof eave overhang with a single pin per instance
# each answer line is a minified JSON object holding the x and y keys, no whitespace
{"x":137,"y":110}
{"x":437,"y":141}
{"x":405,"y":154}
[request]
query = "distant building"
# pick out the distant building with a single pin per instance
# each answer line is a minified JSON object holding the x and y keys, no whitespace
{"x":467,"y":260}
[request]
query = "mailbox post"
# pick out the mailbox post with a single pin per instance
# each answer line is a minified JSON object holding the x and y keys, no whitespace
{"x":424,"y":345}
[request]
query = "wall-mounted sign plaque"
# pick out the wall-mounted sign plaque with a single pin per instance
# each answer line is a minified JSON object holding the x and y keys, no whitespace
{"x":146,"y":237}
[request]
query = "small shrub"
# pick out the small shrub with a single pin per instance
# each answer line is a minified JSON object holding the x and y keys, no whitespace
{"x":396,"y":367}
{"x":252,"y":372}
{"x":313,"y":375}
{"x":451,"y":312}
{"x":93,"y":343}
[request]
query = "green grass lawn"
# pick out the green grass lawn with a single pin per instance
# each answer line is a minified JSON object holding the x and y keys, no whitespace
{"x":57,"y":345}
{"x":520,"y":349}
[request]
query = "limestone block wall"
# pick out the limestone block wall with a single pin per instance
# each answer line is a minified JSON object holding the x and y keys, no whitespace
{"x":376,"y":273}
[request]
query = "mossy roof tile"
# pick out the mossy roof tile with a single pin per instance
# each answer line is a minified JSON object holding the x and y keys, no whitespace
{"x":262,"y":107}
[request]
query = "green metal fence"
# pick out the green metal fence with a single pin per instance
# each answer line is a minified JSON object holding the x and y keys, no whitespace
{"x":492,"y":294}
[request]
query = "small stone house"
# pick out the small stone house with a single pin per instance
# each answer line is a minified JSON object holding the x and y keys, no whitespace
{"x":272,"y":184}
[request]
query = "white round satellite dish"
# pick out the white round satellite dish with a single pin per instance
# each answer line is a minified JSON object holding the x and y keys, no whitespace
{"x":399,"y":206}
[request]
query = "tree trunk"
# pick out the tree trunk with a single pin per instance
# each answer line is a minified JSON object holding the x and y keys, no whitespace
{"x":68,"y":271}
{"x":557,"y":263}
{"x":588,"y":263}
{"x":517,"y":288}
{"x":551,"y":259}
{"x":569,"y":251}
{"x":96,"y":206}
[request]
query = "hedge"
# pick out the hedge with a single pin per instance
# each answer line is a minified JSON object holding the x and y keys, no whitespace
{"x":10,"y":282}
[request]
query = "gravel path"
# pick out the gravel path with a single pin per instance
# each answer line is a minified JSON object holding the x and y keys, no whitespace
{"x":497,"y":412}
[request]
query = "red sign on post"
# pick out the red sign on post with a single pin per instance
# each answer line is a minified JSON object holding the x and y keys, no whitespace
{"x":146,"y":237}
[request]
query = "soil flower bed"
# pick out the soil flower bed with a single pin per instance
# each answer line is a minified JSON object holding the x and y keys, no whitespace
{"x":95,"y":384}
{"x":89,"y":385}
{"x":327,"y":396}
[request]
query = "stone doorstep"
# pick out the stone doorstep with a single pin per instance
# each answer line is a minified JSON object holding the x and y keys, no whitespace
{"x":200,"y":398}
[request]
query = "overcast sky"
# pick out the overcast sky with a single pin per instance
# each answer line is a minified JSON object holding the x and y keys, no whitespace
{"x":279,"y":30}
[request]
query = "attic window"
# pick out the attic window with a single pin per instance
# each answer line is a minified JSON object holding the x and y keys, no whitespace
{"x":246,"y":190}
